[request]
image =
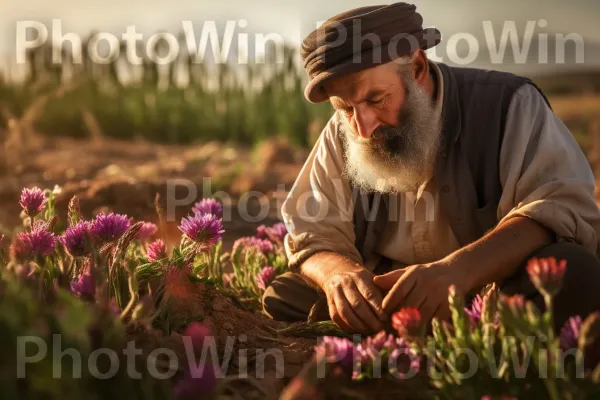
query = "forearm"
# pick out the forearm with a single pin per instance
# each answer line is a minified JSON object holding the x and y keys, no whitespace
{"x":319,"y":266}
{"x":497,"y":255}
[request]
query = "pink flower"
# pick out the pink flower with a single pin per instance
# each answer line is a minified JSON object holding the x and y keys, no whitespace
{"x":33,"y":201}
{"x":515,"y":304}
{"x":546,"y":274}
{"x":208,"y":206}
{"x":197,"y":333}
{"x":147,"y":230}
{"x":84,"y":286}
{"x":279,"y":230}
{"x":77,"y":239}
{"x":263,"y":245}
{"x":205,"y":230}
{"x":408,"y":322}
{"x":339,"y":350}
{"x":474,"y":312}
{"x":109,"y":227}
{"x":569,"y":334}
{"x":156,"y":250}
{"x":37,"y":242}
{"x":261,"y":232}
{"x":265,"y":277}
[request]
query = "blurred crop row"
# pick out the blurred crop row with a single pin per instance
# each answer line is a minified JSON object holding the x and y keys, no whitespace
{"x":181,"y":103}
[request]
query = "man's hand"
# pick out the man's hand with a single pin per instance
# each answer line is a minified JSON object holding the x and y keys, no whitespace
{"x":353,"y":299}
{"x":355,"y":303}
{"x":421,"y":286}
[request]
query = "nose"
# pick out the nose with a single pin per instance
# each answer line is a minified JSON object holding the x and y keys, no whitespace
{"x":366,"y":122}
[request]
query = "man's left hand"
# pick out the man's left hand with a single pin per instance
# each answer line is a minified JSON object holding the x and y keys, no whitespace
{"x":421,"y":286}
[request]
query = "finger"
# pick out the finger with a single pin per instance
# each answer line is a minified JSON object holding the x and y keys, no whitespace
{"x":373,"y":297}
{"x":362,"y":308}
{"x":417,"y":297}
{"x":347,"y":313}
{"x":428,"y":311}
{"x":387,"y":281}
{"x":399,"y":292}
{"x":335,"y":316}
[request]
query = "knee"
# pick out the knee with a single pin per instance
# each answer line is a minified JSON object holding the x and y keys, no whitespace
{"x":272,"y":303}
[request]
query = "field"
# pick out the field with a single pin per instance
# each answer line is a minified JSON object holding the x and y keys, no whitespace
{"x":107,"y":251}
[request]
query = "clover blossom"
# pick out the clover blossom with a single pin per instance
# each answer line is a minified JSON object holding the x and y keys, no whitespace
{"x":76,"y":239}
{"x":546,"y":274}
{"x":109,"y":227}
{"x":474,"y":312}
{"x":569,"y":333}
{"x":263,"y":245}
{"x":265,"y":277}
{"x":147,"y":230}
{"x":338,"y":350}
{"x":408,"y":323}
{"x":156,"y":250}
{"x":37,"y":242}
{"x":208,"y":206}
{"x":84,"y":286}
{"x":205,"y":230}
{"x":33,"y":201}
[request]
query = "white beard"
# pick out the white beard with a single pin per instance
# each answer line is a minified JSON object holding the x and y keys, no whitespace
{"x":374,"y":168}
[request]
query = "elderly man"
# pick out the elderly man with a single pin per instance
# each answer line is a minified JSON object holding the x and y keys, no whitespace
{"x":428,"y":176}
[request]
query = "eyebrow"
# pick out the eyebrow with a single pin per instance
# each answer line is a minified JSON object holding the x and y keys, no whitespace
{"x":339,"y":103}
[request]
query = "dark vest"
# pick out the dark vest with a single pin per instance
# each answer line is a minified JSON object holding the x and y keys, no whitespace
{"x":475,"y":107}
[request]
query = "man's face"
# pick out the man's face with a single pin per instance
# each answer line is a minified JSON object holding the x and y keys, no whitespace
{"x":390,"y":127}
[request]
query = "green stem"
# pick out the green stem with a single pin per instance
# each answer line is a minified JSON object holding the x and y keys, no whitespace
{"x":133,"y":296}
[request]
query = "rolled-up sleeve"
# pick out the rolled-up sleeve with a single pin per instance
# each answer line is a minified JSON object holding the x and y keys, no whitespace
{"x":318,"y":211}
{"x":544,"y":173}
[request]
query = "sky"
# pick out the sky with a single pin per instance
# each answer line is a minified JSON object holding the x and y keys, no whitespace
{"x":293,"y":19}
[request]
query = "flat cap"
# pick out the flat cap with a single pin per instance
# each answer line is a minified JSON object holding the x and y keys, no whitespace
{"x":360,"y":39}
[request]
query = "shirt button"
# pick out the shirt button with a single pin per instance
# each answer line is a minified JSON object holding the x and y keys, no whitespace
{"x":445,"y":189}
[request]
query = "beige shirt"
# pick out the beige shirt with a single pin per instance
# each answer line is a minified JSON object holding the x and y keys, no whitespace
{"x":544,"y":174}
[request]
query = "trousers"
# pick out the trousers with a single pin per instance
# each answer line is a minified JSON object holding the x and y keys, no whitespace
{"x":289,"y":298}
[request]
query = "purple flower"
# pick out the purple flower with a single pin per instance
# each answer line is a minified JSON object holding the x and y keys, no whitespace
{"x":279,"y":230}
{"x":147,"y":230}
{"x":474,"y":312}
{"x":263,"y":245}
{"x":569,"y":334}
{"x":197,"y":333}
{"x":37,"y":242}
{"x":205,"y":230}
{"x":546,"y":274}
{"x":76,"y":239}
{"x":33,"y":201}
{"x":261,"y":232}
{"x":84,"y":286}
{"x":109,"y":227}
{"x":156,"y":251}
{"x":265,"y":277}
{"x":197,"y":383}
{"x":208,"y":206}
{"x":339,"y":350}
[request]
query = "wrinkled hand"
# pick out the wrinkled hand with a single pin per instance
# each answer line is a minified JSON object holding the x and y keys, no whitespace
{"x":421,"y":286}
{"x":355,"y":303}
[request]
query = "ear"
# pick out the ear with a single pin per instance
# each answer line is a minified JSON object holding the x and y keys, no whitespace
{"x":420,"y":66}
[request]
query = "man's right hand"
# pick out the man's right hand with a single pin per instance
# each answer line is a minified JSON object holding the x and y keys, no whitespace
{"x":355,"y":302}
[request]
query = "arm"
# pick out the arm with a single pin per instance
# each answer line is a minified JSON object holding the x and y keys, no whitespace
{"x":548,"y":191}
{"x":320,"y":245}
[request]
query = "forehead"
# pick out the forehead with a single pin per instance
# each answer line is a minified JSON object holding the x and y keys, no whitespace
{"x":355,"y":87}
